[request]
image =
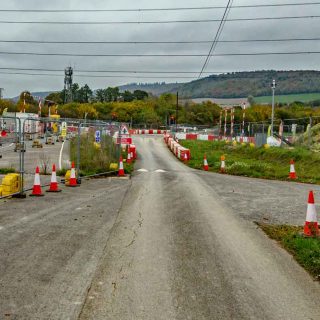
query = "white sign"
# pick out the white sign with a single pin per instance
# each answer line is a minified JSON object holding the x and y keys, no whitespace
{"x":124,"y":129}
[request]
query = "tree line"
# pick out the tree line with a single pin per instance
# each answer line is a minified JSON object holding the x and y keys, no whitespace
{"x":85,"y":94}
{"x":140,"y":108}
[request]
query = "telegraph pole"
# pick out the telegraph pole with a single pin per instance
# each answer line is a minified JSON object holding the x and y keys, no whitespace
{"x":273,"y":87}
{"x":1,"y":93}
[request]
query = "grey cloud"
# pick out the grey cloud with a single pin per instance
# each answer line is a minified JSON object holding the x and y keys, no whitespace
{"x":197,"y":31}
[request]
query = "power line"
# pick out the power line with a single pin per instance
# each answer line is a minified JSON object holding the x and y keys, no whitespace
{"x":158,"y":9}
{"x":159,"y":42}
{"x":97,"y":76}
{"x":126,"y":71}
{"x":112,"y":71}
{"x":216,"y":38}
{"x":157,"y":22}
{"x":158,"y":55}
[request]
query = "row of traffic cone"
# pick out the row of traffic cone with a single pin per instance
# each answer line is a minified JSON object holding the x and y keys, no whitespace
{"x":222,"y":164}
{"x":37,"y":191}
{"x":292,"y":172}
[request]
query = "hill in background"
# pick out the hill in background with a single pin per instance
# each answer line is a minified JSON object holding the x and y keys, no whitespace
{"x":239,"y":84}
{"x":236,"y":85}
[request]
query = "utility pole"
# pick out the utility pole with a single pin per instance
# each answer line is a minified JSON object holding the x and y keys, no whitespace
{"x":1,"y":93}
{"x":177,"y":111}
{"x":273,"y":87}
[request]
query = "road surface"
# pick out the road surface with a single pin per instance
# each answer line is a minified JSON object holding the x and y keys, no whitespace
{"x":171,"y":243}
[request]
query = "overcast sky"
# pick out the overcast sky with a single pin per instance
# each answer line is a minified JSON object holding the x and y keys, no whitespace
{"x":270,"y":29}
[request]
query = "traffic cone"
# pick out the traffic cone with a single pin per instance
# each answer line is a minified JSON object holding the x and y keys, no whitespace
{"x":36,"y":190}
{"x":205,"y":163}
{"x":223,"y":164}
{"x":54,"y":183}
{"x":129,"y":157}
{"x":73,"y":179}
{"x":121,"y":171}
{"x":292,"y":174}
{"x":311,"y":224}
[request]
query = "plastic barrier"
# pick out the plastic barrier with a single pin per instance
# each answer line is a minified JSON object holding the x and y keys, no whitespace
{"x":11,"y":184}
{"x":210,"y":137}
{"x":179,"y":151}
{"x":147,"y":131}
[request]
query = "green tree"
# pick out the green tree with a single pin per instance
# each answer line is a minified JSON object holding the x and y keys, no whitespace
{"x":140,"y":94}
{"x":127,"y":96}
{"x":84,"y":94}
{"x":100,"y":95}
{"x":57,"y":97}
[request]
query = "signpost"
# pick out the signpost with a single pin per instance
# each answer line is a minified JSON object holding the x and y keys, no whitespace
{"x":98,"y":136}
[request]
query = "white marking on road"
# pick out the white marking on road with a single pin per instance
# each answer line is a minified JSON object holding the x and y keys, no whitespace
{"x":160,"y":170}
{"x":143,"y":170}
{"x":1,"y":227}
{"x":60,"y":156}
{"x":78,"y":208}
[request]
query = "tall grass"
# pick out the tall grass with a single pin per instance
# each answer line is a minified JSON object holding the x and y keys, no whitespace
{"x":272,"y":163}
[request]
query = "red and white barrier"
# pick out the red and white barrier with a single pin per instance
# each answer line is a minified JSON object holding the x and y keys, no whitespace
{"x":147,"y":131}
{"x":178,"y":150}
{"x":210,"y":137}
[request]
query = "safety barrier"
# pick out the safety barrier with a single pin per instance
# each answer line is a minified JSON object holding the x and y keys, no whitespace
{"x":178,"y":150}
{"x":147,"y":131}
{"x":11,"y":184}
{"x":209,"y":137}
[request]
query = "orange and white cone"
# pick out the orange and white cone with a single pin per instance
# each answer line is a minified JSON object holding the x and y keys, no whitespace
{"x":36,"y":190}
{"x":205,"y":163}
{"x":73,"y":179}
{"x":311,"y":225}
{"x":54,"y":183}
{"x":121,"y":170}
{"x":129,"y":157}
{"x":292,"y":174}
{"x":223,"y":164}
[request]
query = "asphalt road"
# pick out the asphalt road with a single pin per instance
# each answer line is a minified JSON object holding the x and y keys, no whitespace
{"x":171,"y":243}
{"x":50,"y":248}
{"x":180,"y":250}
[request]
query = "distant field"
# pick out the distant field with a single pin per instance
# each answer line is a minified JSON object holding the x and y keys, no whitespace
{"x":305,"y":97}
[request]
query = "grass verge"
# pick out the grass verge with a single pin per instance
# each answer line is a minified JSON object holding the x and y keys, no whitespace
{"x":306,"y":251}
{"x":7,"y":170}
{"x":243,"y":160}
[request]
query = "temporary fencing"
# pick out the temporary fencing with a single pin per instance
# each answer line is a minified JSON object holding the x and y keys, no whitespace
{"x":27,"y":141}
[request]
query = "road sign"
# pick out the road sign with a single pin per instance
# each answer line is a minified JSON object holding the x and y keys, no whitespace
{"x":98,"y":137}
{"x":124,"y":130}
